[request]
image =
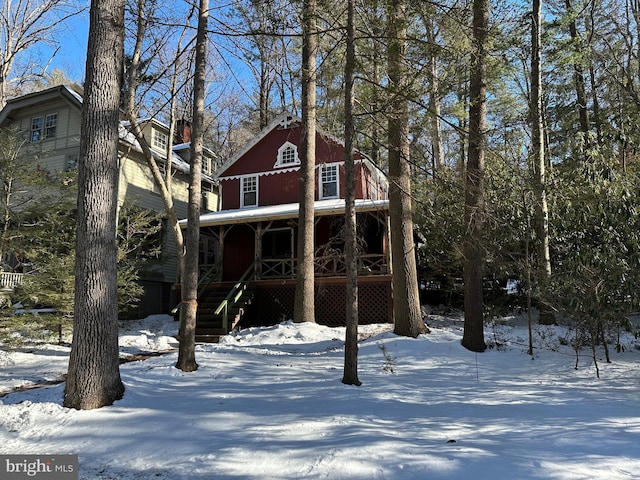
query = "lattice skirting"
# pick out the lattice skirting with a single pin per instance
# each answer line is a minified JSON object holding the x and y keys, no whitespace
{"x":273,"y":302}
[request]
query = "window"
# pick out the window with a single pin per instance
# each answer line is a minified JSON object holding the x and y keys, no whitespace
{"x":36,"y":129}
{"x":287,"y":155}
{"x":249,"y":191}
{"x":206,"y":165}
{"x":159,"y":140}
{"x":50,"y":123}
{"x":329,"y":181}
{"x":208,"y":247}
{"x":44,"y":127}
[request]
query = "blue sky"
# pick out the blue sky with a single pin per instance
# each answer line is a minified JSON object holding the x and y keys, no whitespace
{"x":72,"y":39}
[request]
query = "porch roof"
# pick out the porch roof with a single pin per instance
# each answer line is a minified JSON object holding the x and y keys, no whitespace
{"x":285,"y":211}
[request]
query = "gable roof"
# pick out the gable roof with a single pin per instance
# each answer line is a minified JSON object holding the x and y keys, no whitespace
{"x":285,"y":120}
{"x":25,"y":101}
{"x":74,"y":98}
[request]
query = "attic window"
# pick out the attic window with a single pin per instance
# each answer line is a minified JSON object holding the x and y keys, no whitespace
{"x":287,"y":155}
{"x":159,"y":140}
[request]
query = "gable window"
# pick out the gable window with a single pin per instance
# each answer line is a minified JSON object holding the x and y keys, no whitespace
{"x":329,"y":181}
{"x":206,"y":165}
{"x":249,"y":191}
{"x":44,"y":127}
{"x":287,"y":155}
{"x":159,"y":140}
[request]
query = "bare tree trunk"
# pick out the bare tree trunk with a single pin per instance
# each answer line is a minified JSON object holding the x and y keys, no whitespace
{"x":131,"y":111}
{"x":539,"y":165}
{"x":350,"y":376}
{"x":304,"y":305}
{"x":578,"y":74}
{"x":186,"y":352}
{"x":406,"y":298}
{"x":93,"y":379}
{"x":435,"y":127}
{"x":474,"y":212}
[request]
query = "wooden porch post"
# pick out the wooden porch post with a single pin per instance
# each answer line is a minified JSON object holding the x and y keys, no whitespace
{"x":258,"y":252}
{"x":220,"y":257}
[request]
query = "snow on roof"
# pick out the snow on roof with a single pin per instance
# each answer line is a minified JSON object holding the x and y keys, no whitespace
{"x":176,"y":160}
{"x":284,"y":211}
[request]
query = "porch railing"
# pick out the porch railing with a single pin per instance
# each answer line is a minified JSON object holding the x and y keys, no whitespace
{"x":10,"y":280}
{"x":325,"y":266}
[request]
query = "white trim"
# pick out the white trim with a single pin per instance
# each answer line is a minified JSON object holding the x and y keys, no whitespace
{"x":242,"y":204}
{"x":280,"y":159}
{"x":260,"y":174}
{"x":284,"y":120}
{"x":285,"y":211}
{"x":322,"y":167}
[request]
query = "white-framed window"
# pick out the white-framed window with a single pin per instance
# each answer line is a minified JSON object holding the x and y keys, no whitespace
{"x":329,"y":181}
{"x":44,"y":127}
{"x":50,"y":124}
{"x":287,"y":155}
{"x":249,"y":191}
{"x":159,"y":140}
{"x":206,"y":165}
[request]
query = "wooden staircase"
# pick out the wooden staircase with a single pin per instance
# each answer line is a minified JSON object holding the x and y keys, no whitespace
{"x":209,"y":325}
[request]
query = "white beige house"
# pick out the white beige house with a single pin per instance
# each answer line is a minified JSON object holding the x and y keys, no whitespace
{"x":50,"y":120}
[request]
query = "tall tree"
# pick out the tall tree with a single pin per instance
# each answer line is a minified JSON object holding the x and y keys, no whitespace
{"x":539,"y":164}
{"x":93,"y":378}
{"x":474,"y":212}
{"x":304,"y":304}
{"x":131,"y":110}
{"x":406,"y":305}
{"x":186,"y":353}
{"x":578,"y":72}
{"x":263,"y":48}
{"x":350,"y":376}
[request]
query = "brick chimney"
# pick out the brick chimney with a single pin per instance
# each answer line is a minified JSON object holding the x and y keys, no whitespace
{"x":183,"y":132}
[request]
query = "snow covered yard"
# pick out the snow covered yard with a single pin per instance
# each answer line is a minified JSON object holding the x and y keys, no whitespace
{"x":268,"y":403}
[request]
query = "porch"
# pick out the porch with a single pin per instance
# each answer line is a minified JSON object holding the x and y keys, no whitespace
{"x":267,"y":298}
{"x":10,"y":280}
{"x":251,"y":255}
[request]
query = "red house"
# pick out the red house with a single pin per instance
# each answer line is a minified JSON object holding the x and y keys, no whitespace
{"x":248,"y":248}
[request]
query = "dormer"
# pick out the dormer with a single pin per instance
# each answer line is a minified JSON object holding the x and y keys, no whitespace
{"x":159,"y":138}
{"x":287,"y":156}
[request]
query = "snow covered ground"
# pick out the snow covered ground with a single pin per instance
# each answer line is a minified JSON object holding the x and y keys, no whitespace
{"x":268,"y":403}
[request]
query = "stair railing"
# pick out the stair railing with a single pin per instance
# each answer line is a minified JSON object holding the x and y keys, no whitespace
{"x":203,"y":283}
{"x":235,"y":294}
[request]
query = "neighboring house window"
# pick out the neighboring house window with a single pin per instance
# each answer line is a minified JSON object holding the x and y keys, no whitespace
{"x":159,"y":140}
{"x":50,"y":124}
{"x":72,"y":162}
{"x":36,"y":129}
{"x":44,"y":127}
{"x":329,"y":181}
{"x":287,"y":155}
{"x":206,"y":165}
{"x":249,"y":191}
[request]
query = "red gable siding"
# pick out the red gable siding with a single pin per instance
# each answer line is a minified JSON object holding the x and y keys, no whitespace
{"x":280,"y":185}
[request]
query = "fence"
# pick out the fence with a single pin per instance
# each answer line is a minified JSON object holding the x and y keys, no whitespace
{"x":9,"y":280}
